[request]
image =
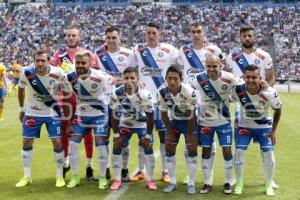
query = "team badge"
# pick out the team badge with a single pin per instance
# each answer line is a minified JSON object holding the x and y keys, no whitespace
{"x":52,"y":82}
{"x":160,"y":54}
{"x":121,"y":59}
{"x":94,"y":85}
{"x":262,"y":103}
{"x":256,"y":61}
{"x":224,"y":87}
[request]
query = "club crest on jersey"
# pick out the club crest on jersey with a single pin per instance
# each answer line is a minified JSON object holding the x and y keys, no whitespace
{"x":224,"y":87}
{"x":261,"y":103}
{"x":94,"y":85}
{"x":160,"y":54}
{"x":121,"y":59}
{"x":256,"y":61}
{"x":51,"y":82}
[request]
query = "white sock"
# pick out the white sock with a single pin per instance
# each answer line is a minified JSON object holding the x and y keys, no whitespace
{"x":171,"y":165}
{"x":59,"y":160}
{"x":192,"y":169}
{"x":108,"y":157}
{"x":228,"y":171}
{"x":117,"y":166}
{"x":212,"y":160}
{"x":162,"y":148}
{"x":89,"y":162}
{"x":102,"y":158}
{"x":239,"y":160}
{"x":27,"y":160}
{"x":206,"y":171}
{"x":125,"y":156}
{"x":141,"y":159}
{"x":150,"y":164}
{"x":67,"y":160}
{"x":74,"y":157}
{"x":269,"y":165}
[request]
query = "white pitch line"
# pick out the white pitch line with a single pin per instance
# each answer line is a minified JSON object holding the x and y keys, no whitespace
{"x":115,"y":195}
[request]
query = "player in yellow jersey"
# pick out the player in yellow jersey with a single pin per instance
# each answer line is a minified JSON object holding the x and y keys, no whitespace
{"x":16,"y":69}
{"x":2,"y":89}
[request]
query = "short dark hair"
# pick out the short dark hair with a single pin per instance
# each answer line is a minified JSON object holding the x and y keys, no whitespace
{"x":111,"y":29}
{"x":176,"y":69}
{"x":246,"y":28}
{"x":196,"y":24}
{"x":154,"y":24}
{"x":130,"y":70}
{"x":41,"y":52}
{"x":251,"y":68}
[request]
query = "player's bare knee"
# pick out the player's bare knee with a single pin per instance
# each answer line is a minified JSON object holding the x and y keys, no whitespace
{"x":226,"y":152}
{"x":57,"y":144}
{"x":206,"y":152}
{"x":27,"y":142}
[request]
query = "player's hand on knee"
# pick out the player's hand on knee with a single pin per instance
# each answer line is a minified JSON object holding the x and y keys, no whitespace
{"x":192,"y":142}
{"x":145,"y":142}
{"x":118,"y":142}
{"x":272,"y":136}
{"x":21,"y":116}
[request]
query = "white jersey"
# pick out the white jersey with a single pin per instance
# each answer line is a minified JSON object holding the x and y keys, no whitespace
{"x":190,"y":70}
{"x":90,"y":92}
{"x":257,"y":114}
{"x":214,"y":98}
{"x":42,"y":91}
{"x":180,"y":106}
{"x":259,"y":58}
{"x":153,"y":77}
{"x":133,"y":108}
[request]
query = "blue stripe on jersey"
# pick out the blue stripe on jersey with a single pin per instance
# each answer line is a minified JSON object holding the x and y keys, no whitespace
{"x":165,"y":93}
{"x":38,"y":86}
{"x":63,"y":54}
{"x":192,"y":58}
{"x":80,"y":90}
{"x":246,"y":102}
{"x":150,"y":62}
{"x":211,"y":92}
{"x":106,"y":61}
{"x":239,"y":58}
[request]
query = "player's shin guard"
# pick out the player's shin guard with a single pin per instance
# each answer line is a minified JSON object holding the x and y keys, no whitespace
{"x":150,"y":164}
{"x":116,"y":158}
{"x":59,"y":160}
{"x":228,"y":169}
{"x":27,"y":160}
{"x":102,"y":158}
{"x":239,"y":160}
{"x":206,"y":169}
{"x":162,"y":148}
{"x":141,"y":159}
{"x":125,"y":156}
{"x":269,"y":165}
{"x":171,"y":166}
{"x":192,"y":162}
{"x":88,"y":144}
{"x":74,"y":157}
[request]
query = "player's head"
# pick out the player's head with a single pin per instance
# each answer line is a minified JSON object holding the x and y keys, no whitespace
{"x":82,"y":62}
{"x":252,"y":77}
{"x":247,"y":36}
{"x":197,"y":33}
{"x":112,"y":37}
{"x":173,"y":77}
{"x":131,"y":77}
{"x":213,"y":65}
{"x":152,"y":34}
{"x":72,"y":37}
{"x":41,"y":61}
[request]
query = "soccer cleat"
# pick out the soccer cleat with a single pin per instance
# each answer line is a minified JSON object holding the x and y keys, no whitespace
{"x":274,"y":185}
{"x":24,"y":181}
{"x":206,"y":189}
{"x":75,"y":180}
{"x":227,"y":188}
{"x":269,"y":189}
{"x":65,"y":170}
{"x":89,"y":174}
{"x":170,"y":188}
{"x":116,"y":185}
{"x":191,"y":189}
{"x":165,"y":177}
{"x":138,"y":177}
{"x":107,"y":174}
{"x":186,"y":180}
{"x":125,"y":177}
{"x":238,"y":187}
{"x":103,"y":184}
{"x":151,"y":185}
{"x":60,"y":182}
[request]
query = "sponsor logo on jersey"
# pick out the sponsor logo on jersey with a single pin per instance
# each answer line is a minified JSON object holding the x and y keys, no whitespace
{"x":193,"y":71}
{"x":30,"y":122}
{"x":243,"y":131}
{"x":149,"y":71}
{"x":205,"y":130}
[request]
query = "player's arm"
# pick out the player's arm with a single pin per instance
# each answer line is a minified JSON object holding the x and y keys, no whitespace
{"x":148,"y":108}
{"x":21,"y":95}
{"x":270,"y":76}
{"x":226,"y":63}
{"x":277,"y":106}
{"x":118,"y":140}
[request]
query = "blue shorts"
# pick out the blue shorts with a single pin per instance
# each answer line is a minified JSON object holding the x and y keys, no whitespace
{"x":224,"y":132}
{"x":159,"y":125}
{"x":15,"y":81}
{"x":181,"y":127}
{"x":2,"y":93}
{"x":32,"y":126}
{"x":82,"y":124}
{"x":126,"y":133}
{"x":243,"y":137}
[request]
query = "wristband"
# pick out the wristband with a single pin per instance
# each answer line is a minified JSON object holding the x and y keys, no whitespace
{"x":21,"y":109}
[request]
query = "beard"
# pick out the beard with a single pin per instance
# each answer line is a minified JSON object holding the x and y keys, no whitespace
{"x":247,"y":45}
{"x":74,"y":46}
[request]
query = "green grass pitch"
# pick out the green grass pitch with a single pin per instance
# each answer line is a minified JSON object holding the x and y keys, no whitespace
{"x":43,"y":170}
